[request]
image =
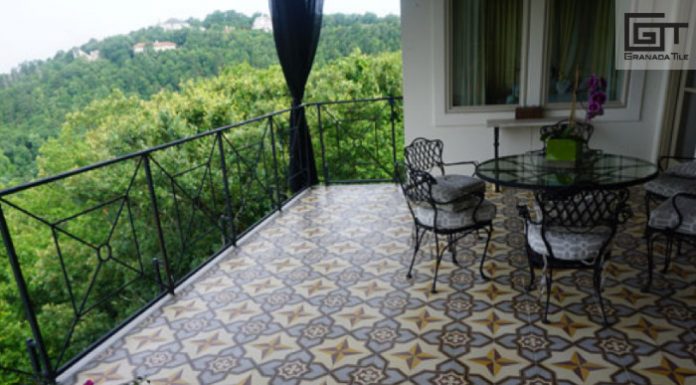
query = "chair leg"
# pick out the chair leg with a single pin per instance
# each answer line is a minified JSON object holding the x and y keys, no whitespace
{"x":549,"y":279}
{"x":647,"y":213}
{"x":489,"y":231}
{"x":438,"y":259}
{"x":452,"y":248}
{"x":597,"y":280}
{"x":679,"y":247}
{"x":531,"y":284}
{"x":418,"y":238}
{"x":668,"y":254}
{"x":651,"y":262}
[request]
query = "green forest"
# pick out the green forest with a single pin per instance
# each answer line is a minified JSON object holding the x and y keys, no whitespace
{"x":35,"y":98}
{"x":86,"y":273}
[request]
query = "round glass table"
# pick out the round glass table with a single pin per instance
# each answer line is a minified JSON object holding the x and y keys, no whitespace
{"x":533,"y":171}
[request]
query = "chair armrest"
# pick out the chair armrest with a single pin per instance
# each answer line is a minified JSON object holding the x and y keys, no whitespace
{"x":523,"y":211}
{"x":682,"y":196}
{"x":469,"y":162}
{"x":624,"y":214}
{"x":663,"y":161}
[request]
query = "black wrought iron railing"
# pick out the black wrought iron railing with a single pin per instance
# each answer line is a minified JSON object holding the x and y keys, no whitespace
{"x":92,"y":248}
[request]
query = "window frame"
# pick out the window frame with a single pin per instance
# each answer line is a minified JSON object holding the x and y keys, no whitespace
{"x":448,"y":66}
{"x":534,"y":70}
{"x":546,"y":63}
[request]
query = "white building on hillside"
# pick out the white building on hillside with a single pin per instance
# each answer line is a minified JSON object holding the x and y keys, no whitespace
{"x":157,"y":46}
{"x":263,"y":23}
{"x":173,"y":25}
{"x":91,"y":56}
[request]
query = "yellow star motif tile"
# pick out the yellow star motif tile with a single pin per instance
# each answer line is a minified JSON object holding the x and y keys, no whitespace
{"x":270,"y":347}
{"x":106,"y":375}
{"x":676,"y":374}
{"x":263,"y":286}
{"x":493,"y":323}
{"x":370,"y":289}
{"x":414,"y":356}
{"x":492,"y":292}
{"x":239,"y":312}
{"x":568,"y":325}
{"x":647,"y":328}
{"x":559,"y":294}
{"x":630,"y":296}
{"x":207,"y":344}
{"x":294,"y":315}
{"x":357,"y":316}
{"x":315,"y":287}
{"x":422,"y":319}
{"x":493,"y":361}
{"x":340,"y":351}
{"x":176,"y":310}
{"x":579,"y":365}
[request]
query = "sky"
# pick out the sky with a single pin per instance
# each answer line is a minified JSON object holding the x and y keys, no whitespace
{"x":37,"y":29}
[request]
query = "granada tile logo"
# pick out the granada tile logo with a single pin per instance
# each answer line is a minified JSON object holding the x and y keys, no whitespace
{"x":647,"y":36}
{"x":654,"y":40}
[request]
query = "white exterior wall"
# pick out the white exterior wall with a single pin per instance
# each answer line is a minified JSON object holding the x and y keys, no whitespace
{"x":632,"y":130}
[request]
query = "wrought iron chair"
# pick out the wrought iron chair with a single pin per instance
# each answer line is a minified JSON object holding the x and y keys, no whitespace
{"x":677,"y":175}
{"x":426,"y":155}
{"x":572,"y":228}
{"x":452,"y":218}
{"x":675,"y":219}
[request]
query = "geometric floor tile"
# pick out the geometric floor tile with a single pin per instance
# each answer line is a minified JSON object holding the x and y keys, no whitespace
{"x":319,"y":295}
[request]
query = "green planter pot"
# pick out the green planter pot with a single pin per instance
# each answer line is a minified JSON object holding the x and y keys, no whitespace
{"x":567,"y":150}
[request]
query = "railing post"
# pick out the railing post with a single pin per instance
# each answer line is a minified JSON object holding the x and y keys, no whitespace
{"x":158,"y":224}
{"x":46,"y":367}
{"x":324,"y":166}
{"x":229,"y":220}
{"x":275,"y":163}
{"x":158,"y":274}
{"x":393,"y":134}
{"x":33,"y":357}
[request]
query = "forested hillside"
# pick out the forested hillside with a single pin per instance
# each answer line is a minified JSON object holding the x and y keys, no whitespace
{"x":120,"y":124}
{"x":35,"y":98}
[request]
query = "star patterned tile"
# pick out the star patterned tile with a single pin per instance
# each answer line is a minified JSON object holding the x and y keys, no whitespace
{"x":319,"y":295}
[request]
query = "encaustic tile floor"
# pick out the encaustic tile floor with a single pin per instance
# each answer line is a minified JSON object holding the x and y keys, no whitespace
{"x":319,"y":296}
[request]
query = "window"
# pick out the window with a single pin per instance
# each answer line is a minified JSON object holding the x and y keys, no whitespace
{"x":581,"y":38}
{"x":502,"y":53}
{"x":486,"y":52}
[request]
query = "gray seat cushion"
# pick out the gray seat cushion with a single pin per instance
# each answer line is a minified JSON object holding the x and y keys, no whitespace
{"x":665,"y":217}
{"x":566,"y":244}
{"x":684,"y":170}
{"x":457,"y":187}
{"x":447,"y":219}
{"x":667,"y":185}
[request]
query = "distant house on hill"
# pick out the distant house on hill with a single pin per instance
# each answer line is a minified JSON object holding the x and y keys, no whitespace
{"x":80,"y":54}
{"x":156,"y":46}
{"x":263,"y":23}
{"x":139,"y":48}
{"x":173,"y":25}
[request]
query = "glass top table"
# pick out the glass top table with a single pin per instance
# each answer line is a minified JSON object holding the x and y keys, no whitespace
{"x":533,"y":171}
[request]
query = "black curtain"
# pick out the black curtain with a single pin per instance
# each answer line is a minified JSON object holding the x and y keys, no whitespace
{"x":296,"y":27}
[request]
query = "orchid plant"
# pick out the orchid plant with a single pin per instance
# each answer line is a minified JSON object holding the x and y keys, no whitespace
{"x":596,"y":96}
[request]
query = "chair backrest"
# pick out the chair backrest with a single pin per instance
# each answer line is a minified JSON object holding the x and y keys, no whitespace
{"x":424,"y":155}
{"x":581,"y":131}
{"x":581,"y":209}
{"x":415,"y":184}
